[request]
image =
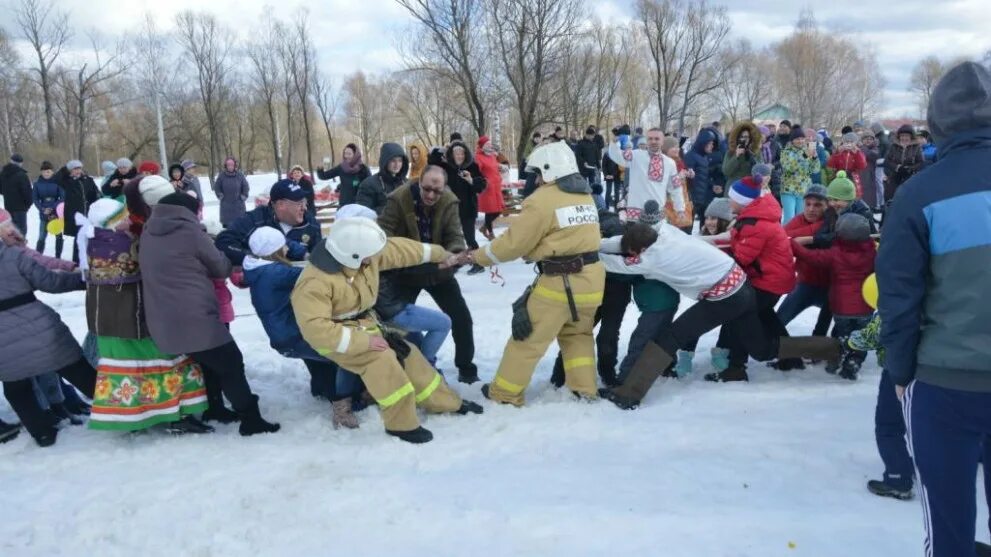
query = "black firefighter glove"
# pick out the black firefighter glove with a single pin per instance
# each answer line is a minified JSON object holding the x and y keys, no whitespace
{"x":522,"y":327}
{"x":398,"y":344}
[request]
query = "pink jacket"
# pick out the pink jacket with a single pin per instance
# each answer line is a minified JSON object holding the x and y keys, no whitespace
{"x":225,"y":301}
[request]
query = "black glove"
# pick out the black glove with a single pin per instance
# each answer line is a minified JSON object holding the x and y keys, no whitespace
{"x":398,"y":344}
{"x":522,"y":327}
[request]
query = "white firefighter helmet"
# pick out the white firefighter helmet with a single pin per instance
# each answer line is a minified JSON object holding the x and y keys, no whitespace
{"x":552,"y":161}
{"x":351,"y":240}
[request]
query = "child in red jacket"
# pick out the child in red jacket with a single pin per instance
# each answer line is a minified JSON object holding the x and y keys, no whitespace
{"x":850,"y":159}
{"x":850,"y":261}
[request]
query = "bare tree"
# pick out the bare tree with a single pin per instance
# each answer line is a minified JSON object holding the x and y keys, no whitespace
{"x":302,"y":77}
{"x":926,"y":74}
{"x":150,"y":48}
{"x":456,"y":50}
{"x":87,"y":84}
{"x":529,"y":37}
{"x":288,"y":53}
{"x":267,"y":76}
{"x":704,"y":64}
{"x":746,"y":87}
{"x":425,"y":106}
{"x":364,"y":110}
{"x":610,"y":62}
{"x":327,"y":100}
{"x":207,"y":44}
{"x":8,"y":82}
{"x":47,"y":32}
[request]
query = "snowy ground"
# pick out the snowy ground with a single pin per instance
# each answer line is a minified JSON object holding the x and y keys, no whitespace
{"x":776,"y":467}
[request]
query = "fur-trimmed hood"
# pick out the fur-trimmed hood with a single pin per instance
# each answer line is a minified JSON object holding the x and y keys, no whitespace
{"x":756,"y":139}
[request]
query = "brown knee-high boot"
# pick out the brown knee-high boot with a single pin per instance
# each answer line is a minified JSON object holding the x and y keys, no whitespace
{"x":648,"y":367}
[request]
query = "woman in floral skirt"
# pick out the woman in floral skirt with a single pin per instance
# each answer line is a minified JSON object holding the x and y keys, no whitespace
{"x":137,"y":386}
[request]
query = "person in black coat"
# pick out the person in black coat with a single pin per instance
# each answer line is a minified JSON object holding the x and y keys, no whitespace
{"x":15,"y":186}
{"x":587,"y":153}
{"x":114,"y":185}
{"x":466,"y":181}
{"x":80,"y":191}
{"x":351,"y":172}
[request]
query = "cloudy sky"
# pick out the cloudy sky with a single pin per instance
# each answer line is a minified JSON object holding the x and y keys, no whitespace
{"x":353,"y":34}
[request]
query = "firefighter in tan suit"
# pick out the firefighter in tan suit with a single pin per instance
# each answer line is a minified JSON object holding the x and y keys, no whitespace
{"x":558,"y":229}
{"x":332,"y":301}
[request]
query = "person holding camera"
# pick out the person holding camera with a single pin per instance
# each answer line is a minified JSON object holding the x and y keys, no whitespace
{"x":739,"y":161}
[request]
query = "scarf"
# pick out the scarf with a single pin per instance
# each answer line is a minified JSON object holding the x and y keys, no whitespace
{"x":424,"y":217}
{"x":766,"y":152}
{"x":655,"y":171}
{"x":352,"y":166}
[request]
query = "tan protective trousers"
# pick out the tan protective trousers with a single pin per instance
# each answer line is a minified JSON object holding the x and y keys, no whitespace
{"x":397,"y":390}
{"x":551,"y":320}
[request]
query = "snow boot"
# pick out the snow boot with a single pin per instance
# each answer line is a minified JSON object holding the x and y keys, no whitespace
{"x":469,"y":407}
{"x":850,"y":369}
{"x":787,"y":364}
{"x":187,"y":424}
{"x":220,"y":414}
{"x":467,"y":376}
{"x":817,"y":348}
{"x":8,"y":431}
{"x":62,"y":413}
{"x":653,"y":361}
{"x":418,"y":436}
{"x":621,"y":402}
{"x":343,"y":416}
{"x":684,"y":365}
{"x":732,"y":373}
{"x":881,"y":489}
{"x":476,"y":269}
{"x":719,"y":358}
{"x":253,"y":423}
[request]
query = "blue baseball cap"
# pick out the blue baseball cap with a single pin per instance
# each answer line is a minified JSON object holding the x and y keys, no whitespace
{"x":286,"y":190}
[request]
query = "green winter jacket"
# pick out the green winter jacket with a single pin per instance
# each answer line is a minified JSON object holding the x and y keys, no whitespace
{"x":654,"y":295}
{"x":797,"y":170}
{"x":869,"y":338}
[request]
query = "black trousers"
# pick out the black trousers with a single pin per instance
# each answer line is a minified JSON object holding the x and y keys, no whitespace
{"x":490,"y":219}
{"x":609,"y":318}
{"x":448,"y":297}
{"x":769,"y":323}
{"x":323,"y":379}
{"x":468,"y":227}
{"x":20,"y":395}
{"x":739,"y":318}
{"x":223,"y":372}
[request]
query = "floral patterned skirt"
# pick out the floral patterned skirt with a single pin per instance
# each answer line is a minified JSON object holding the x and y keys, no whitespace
{"x":137,"y":386}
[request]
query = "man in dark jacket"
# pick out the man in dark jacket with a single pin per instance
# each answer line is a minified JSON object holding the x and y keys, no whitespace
{"x":15,"y":186}
{"x":114,"y":185}
{"x":426,"y":211}
{"x":393,"y":167}
{"x":286,"y":212}
{"x":698,"y":160}
{"x":587,"y":154}
{"x":936,"y":321}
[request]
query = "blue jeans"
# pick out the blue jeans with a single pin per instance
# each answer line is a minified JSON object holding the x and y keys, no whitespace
{"x":48,"y":390}
{"x":650,"y":324}
{"x":802,"y":298}
{"x":434,"y":325}
{"x":791,"y":205}
{"x":947,"y":432}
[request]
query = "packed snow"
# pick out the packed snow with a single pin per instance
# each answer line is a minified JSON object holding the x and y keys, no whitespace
{"x":775,"y":467}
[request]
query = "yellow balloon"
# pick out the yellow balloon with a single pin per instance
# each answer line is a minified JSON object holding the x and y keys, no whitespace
{"x":55,"y":226}
{"x":869,"y":290}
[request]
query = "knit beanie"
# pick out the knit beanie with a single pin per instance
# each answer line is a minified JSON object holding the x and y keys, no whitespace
{"x":482,"y":141}
{"x":651,"y":214}
{"x":180,"y":199}
{"x":849,"y":138}
{"x":761,"y":171}
{"x":16,"y":159}
{"x":744,"y":191}
{"x":842,"y":188}
{"x":817,"y":191}
{"x":108,"y":167}
{"x":45,"y":165}
{"x":853,"y":227}
{"x":796,"y":133}
{"x":106,"y":213}
{"x":720,"y":209}
{"x":124,"y":161}
{"x":153,"y":188}
{"x":188,"y":163}
{"x":265,"y":241}
{"x":669,"y":143}
{"x":149,"y":167}
{"x":73,"y":164}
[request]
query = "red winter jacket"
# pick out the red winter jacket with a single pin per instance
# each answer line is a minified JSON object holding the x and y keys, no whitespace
{"x":853,"y":162}
{"x":762,"y":248}
{"x":849,"y":264}
{"x":807,"y":273}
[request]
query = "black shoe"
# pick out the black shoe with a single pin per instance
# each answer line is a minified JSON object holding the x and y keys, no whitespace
{"x":476,"y":269}
{"x":982,"y":549}
{"x":60,"y":412}
{"x":881,"y":489}
{"x":8,"y":431}
{"x":79,"y":408}
{"x":732,"y":373}
{"x":620,"y":401}
{"x":610,"y":379}
{"x":788,"y":364}
{"x":252,"y":422}
{"x":46,"y":439}
{"x":469,"y":407}
{"x":418,"y":436}
{"x":220,"y":414}
{"x":468,"y":376}
{"x":485,"y":393}
{"x":849,"y":370}
{"x":186,"y":425}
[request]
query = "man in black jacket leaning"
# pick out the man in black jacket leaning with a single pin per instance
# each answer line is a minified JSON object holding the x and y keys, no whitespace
{"x":15,"y":186}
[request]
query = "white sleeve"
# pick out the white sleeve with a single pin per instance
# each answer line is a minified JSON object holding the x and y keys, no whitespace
{"x":675,"y":192}
{"x":616,"y":154}
{"x":611,"y":245}
{"x":617,"y":264}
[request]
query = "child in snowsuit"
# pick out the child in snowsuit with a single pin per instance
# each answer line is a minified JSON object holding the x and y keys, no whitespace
{"x":850,"y":261}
